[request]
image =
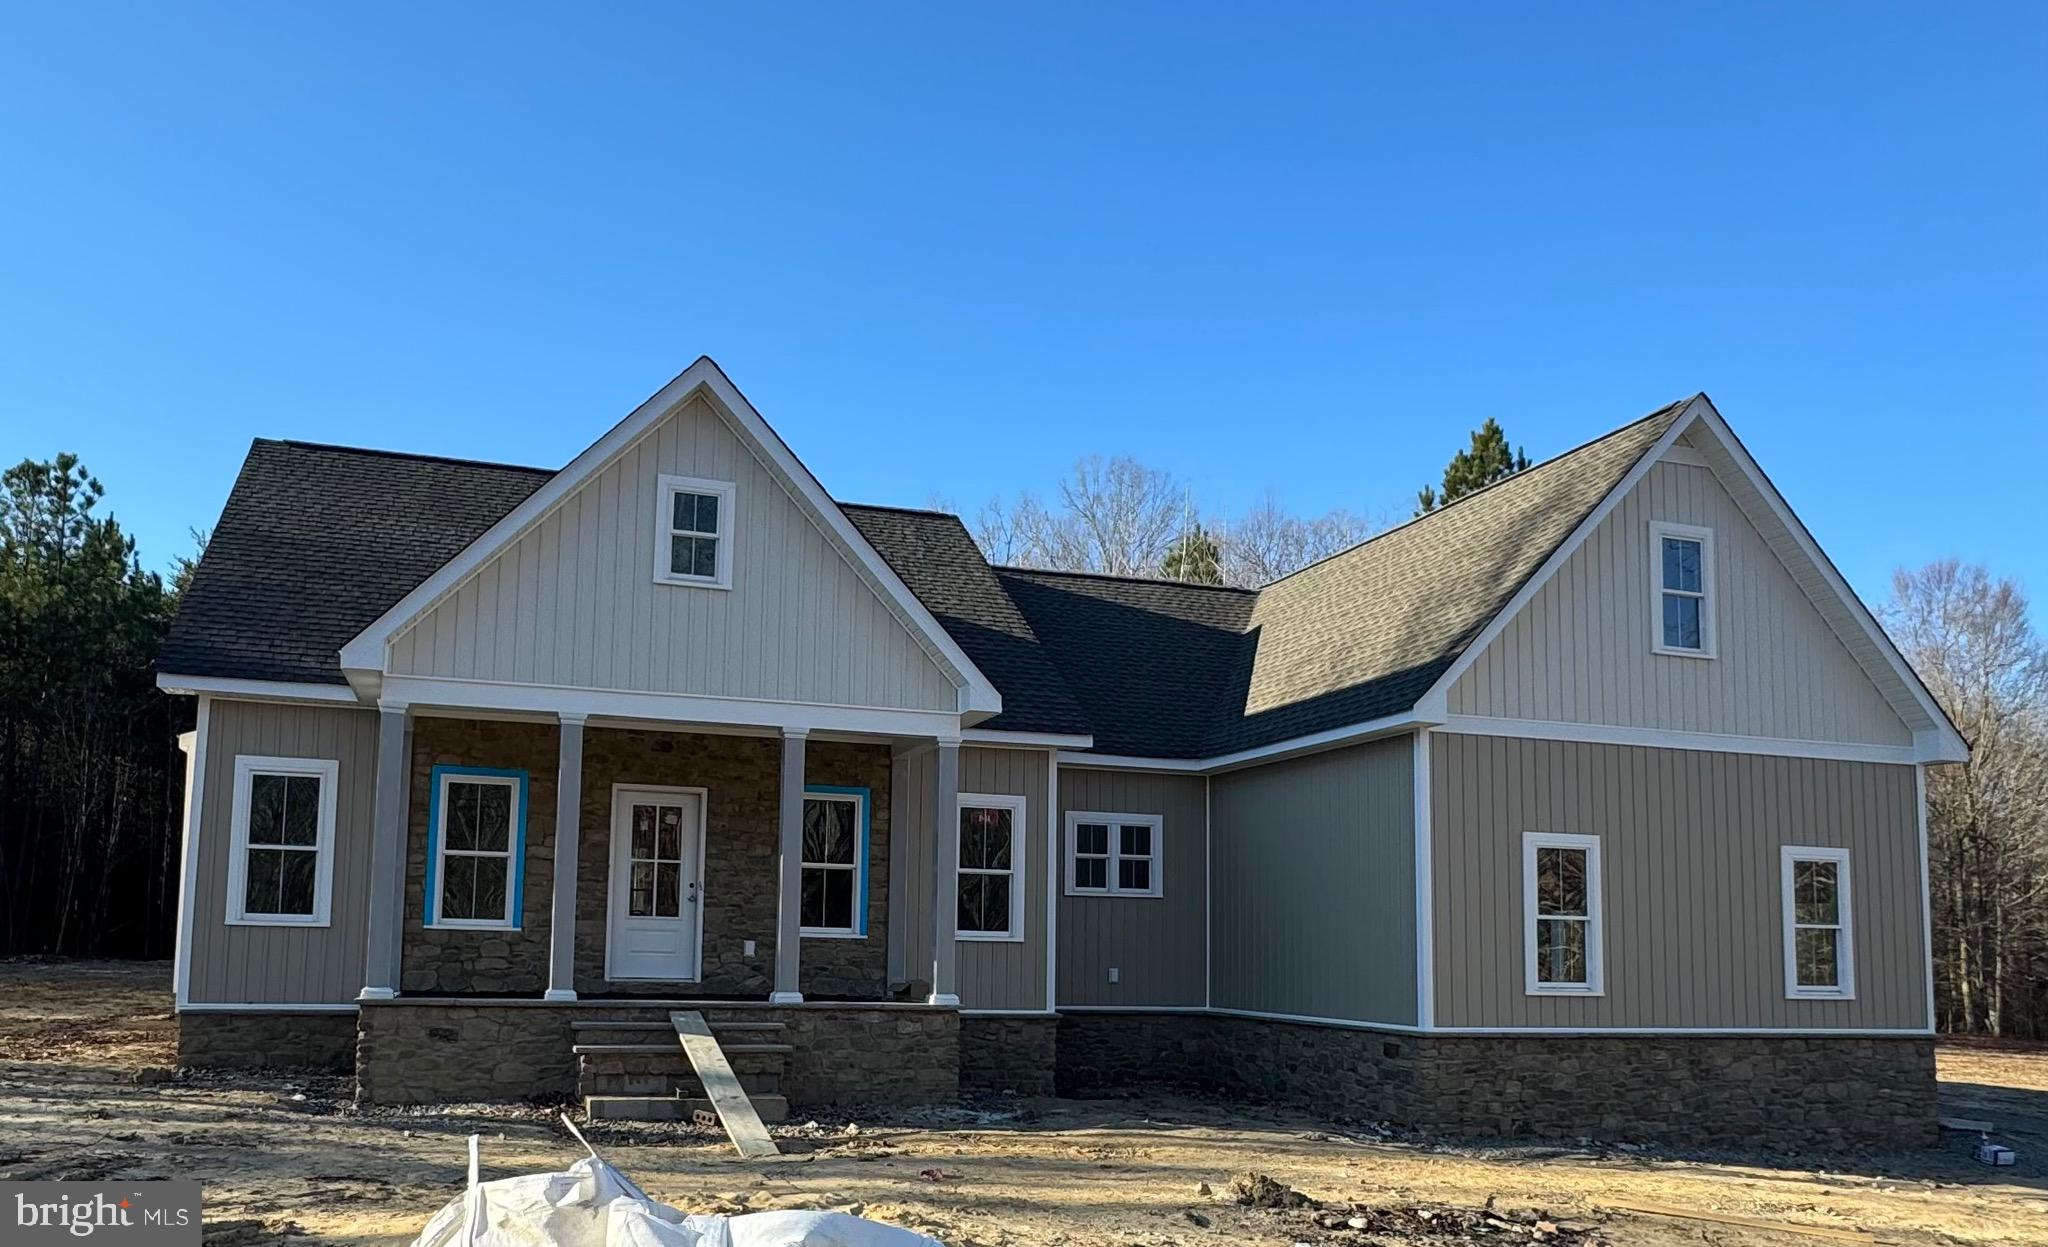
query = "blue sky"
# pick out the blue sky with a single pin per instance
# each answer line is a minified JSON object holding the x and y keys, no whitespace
{"x":946,"y":249}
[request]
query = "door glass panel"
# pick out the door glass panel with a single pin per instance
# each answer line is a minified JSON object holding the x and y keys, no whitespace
{"x":655,"y":866}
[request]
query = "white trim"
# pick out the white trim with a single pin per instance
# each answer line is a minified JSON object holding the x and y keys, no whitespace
{"x":996,"y":739}
{"x":1661,"y":738}
{"x":1425,"y":889}
{"x":858,"y":868}
{"x":1926,"y":890}
{"x":1560,"y":1031}
{"x":611,"y":874}
{"x":515,"y":847}
{"x":261,"y":690}
{"x":674,"y":708}
{"x":1596,"y":935}
{"x":1020,"y":834}
{"x":1709,"y":601}
{"x":1113,"y":858}
{"x":247,"y":767}
{"x":1314,"y":742}
{"x":1010,"y":1013}
{"x":1682,"y":453}
{"x":210,"y":1006}
{"x":367,"y":651}
{"x":1052,"y":869}
{"x":1130,"y":762}
{"x":666,"y":487}
{"x":194,"y":745}
{"x":1844,"y":926}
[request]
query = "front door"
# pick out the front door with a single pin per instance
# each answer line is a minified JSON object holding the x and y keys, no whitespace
{"x":654,"y":922}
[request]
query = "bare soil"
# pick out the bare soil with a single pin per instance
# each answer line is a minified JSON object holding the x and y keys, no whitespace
{"x":88,"y":1091}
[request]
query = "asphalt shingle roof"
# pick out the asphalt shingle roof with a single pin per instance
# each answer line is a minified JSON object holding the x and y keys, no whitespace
{"x":317,"y":541}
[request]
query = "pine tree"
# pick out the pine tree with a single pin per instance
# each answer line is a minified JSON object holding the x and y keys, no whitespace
{"x":1194,"y":557}
{"x":1490,"y":459}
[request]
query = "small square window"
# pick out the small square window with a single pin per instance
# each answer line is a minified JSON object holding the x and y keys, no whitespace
{"x":693,"y":532}
{"x":1113,"y":854}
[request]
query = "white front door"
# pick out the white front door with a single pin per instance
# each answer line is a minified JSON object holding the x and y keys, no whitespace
{"x":655,"y":915}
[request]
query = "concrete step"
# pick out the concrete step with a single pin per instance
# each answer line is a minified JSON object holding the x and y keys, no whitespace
{"x":668,"y":1083}
{"x":666,"y":1060}
{"x":772,"y":1108}
{"x":622,"y":1049}
{"x":664,"y":1026}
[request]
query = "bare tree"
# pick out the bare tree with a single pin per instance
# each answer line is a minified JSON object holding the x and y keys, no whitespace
{"x":1969,"y":637}
{"x":1115,"y":515}
{"x":1267,"y":542}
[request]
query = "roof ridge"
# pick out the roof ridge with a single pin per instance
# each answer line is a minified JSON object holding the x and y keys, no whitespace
{"x":1533,"y":468}
{"x":884,"y":506}
{"x":1152,"y":580}
{"x":403,"y":454}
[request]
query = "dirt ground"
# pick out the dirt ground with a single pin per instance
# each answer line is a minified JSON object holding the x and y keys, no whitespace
{"x":87,"y":1092}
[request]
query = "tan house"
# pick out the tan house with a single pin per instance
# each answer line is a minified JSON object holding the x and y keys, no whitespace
{"x":1588,"y":804}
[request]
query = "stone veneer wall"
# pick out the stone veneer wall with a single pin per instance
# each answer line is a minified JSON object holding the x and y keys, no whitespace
{"x":426,"y":1052}
{"x":1792,"y":1091}
{"x":321,"y":1040}
{"x":1008,"y":1054}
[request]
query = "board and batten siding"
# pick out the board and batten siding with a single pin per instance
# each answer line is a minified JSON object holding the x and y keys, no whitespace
{"x":993,"y":975}
{"x":1580,"y":650}
{"x":283,"y":964}
{"x":1158,"y":944}
{"x":1312,"y":865}
{"x":573,"y":602}
{"x":1692,"y":898}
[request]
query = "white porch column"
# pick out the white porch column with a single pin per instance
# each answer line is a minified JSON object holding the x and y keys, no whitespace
{"x":568,"y":842}
{"x":789,"y":946}
{"x":945,"y":872}
{"x":387,"y":856}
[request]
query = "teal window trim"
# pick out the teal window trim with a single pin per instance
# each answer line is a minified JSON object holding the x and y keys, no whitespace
{"x":515,"y":873}
{"x":860,"y":850}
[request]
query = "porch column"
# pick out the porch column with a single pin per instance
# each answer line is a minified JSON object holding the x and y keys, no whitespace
{"x":789,"y":948}
{"x":568,"y":842}
{"x":387,"y":856}
{"x":945,"y":871}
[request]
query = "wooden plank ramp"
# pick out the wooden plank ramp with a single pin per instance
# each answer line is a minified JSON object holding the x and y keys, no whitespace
{"x":735,"y":1111}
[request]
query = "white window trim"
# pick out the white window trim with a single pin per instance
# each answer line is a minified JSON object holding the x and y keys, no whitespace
{"x":1845,"y":913}
{"x":1156,"y":822}
{"x":515,"y":845}
{"x":248,"y":766}
{"x":1596,"y":932}
{"x":858,"y":868}
{"x":1019,"y":843}
{"x":664,"y":514}
{"x":1660,"y":529}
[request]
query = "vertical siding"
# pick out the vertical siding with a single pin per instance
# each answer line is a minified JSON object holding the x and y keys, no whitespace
{"x":283,"y":965}
{"x":1692,"y":902}
{"x":992,"y":975}
{"x":574,"y":602}
{"x":1579,"y":652}
{"x":1313,"y":885}
{"x":1159,"y":945}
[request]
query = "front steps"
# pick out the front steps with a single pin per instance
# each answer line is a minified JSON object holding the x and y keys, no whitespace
{"x":635,"y":1070}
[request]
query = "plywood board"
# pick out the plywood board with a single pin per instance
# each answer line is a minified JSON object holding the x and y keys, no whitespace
{"x":735,"y":1111}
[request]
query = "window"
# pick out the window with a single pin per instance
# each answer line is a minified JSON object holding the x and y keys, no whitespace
{"x":476,"y":843}
{"x":1561,"y":914}
{"x":1682,"y":577}
{"x":991,"y":891}
{"x":833,"y":902}
{"x":1113,"y":854}
{"x":693,"y":532}
{"x":281,"y":855}
{"x":1817,"y":943}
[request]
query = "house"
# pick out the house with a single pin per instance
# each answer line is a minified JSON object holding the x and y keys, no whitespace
{"x":1591,"y":803}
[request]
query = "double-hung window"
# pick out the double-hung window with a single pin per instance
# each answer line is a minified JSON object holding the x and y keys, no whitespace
{"x":476,"y":830}
{"x":990,"y":897}
{"x":281,"y":850}
{"x":693,"y":532}
{"x":833,"y":902}
{"x":1113,"y":854}
{"x":1818,"y":961}
{"x":1682,"y":583}
{"x":1561,"y":925}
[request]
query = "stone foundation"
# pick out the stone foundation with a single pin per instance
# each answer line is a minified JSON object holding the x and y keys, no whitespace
{"x":318,"y":1040}
{"x":1009,"y":1054}
{"x":415,"y":1052}
{"x":1794,"y":1092}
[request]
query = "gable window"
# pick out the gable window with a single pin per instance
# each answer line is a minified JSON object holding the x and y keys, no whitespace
{"x":833,"y":899}
{"x":1561,"y":926}
{"x":281,"y":848}
{"x":476,"y":844}
{"x":1817,"y":943}
{"x":990,"y":904}
{"x":1682,"y":577}
{"x":693,"y":521}
{"x":1113,"y":854}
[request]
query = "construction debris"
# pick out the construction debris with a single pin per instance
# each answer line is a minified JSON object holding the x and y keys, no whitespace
{"x":1432,"y":1223}
{"x":1258,"y":1190}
